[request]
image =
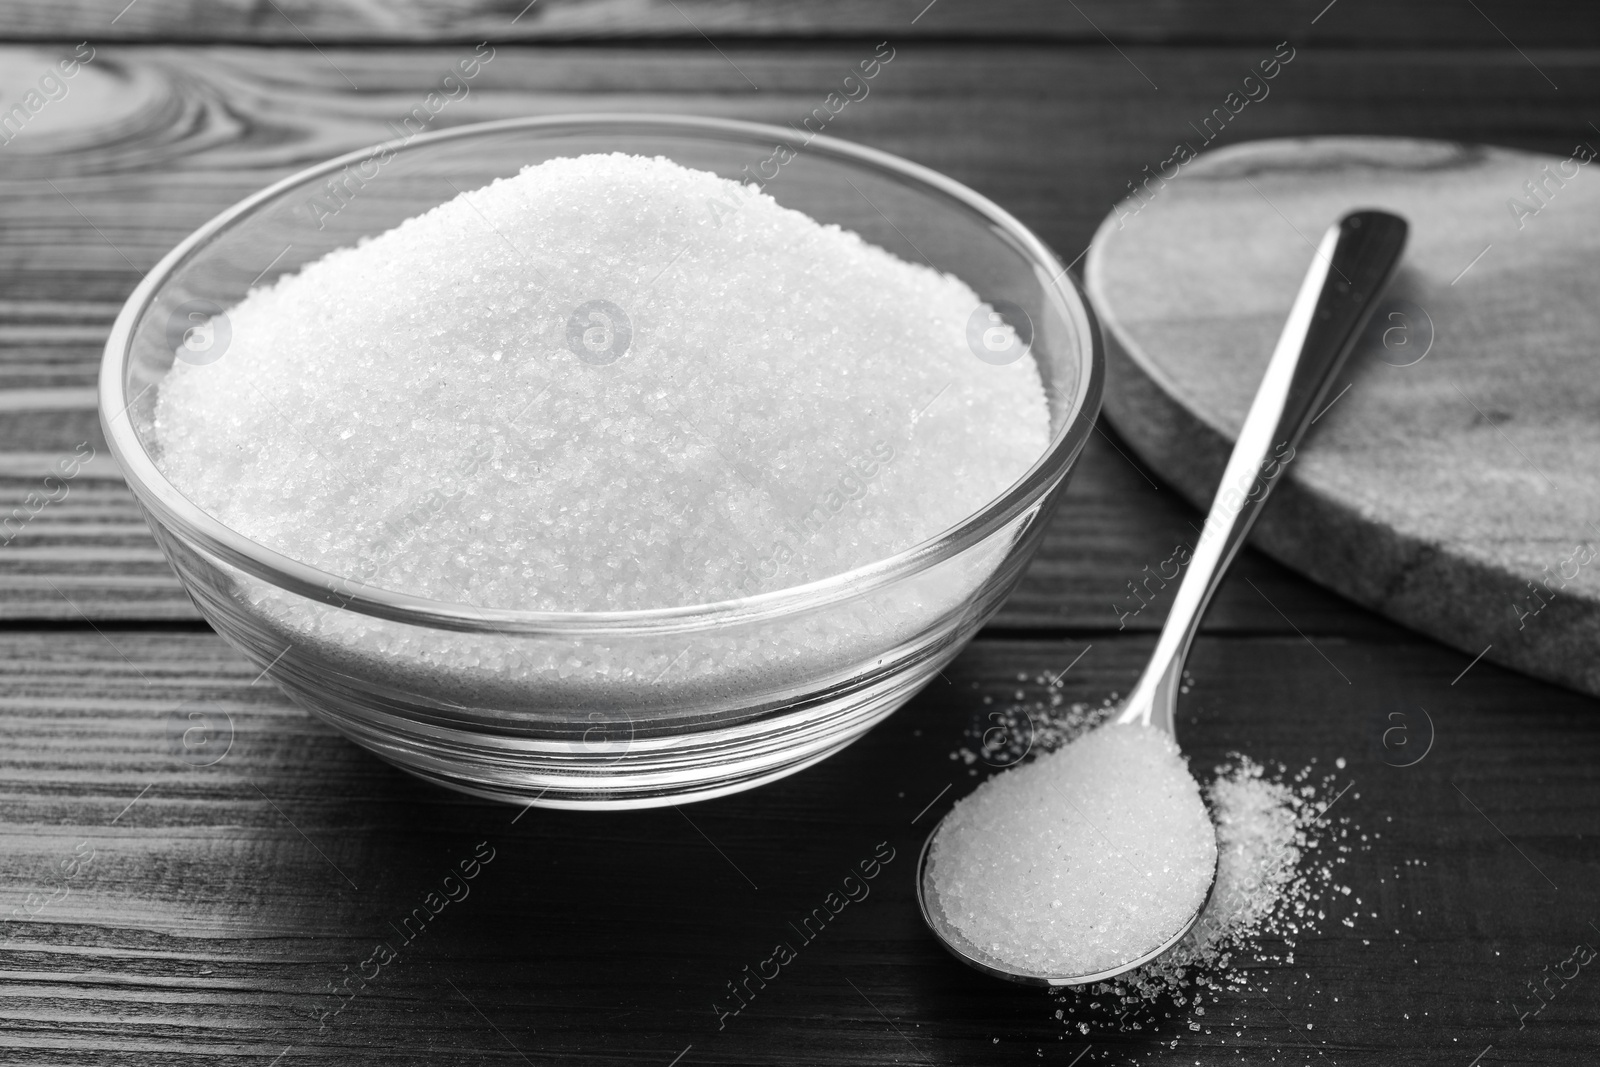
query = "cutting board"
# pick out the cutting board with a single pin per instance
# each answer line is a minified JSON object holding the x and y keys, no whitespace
{"x":1455,"y":485}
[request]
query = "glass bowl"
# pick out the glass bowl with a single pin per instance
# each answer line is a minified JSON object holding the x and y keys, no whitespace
{"x":603,"y":709}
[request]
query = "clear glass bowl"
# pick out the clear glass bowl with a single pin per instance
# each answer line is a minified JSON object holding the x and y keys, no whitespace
{"x":614,"y":709}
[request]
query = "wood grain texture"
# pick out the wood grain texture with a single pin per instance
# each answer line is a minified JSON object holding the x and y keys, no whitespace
{"x":151,"y":141}
{"x":1431,"y":23}
{"x":221,"y":901}
{"x":1452,"y":487}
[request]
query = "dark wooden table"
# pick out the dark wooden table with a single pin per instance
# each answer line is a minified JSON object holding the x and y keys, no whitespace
{"x":164,"y":912}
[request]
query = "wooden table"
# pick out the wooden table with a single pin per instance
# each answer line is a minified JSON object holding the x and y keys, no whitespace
{"x":164,"y":912}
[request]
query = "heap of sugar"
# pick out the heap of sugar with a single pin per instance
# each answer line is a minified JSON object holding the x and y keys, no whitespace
{"x":581,"y":389}
{"x":1080,"y":860}
{"x":1277,"y":854}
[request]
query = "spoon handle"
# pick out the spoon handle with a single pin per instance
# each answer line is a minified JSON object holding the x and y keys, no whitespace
{"x":1355,"y":260}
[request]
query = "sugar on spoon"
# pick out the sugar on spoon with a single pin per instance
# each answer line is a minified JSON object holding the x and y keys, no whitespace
{"x":1353,"y":263}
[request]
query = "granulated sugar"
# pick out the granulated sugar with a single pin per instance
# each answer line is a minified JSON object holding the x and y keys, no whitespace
{"x":1278,"y":849}
{"x":1080,"y":860}
{"x":579,"y":389}
{"x":1263,"y":828}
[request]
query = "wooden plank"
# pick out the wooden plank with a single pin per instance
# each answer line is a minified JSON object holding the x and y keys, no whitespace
{"x":222,"y":902}
{"x":1436,"y":23}
{"x":197,"y":128}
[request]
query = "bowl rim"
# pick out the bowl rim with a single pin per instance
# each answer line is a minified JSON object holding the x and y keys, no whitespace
{"x":169,"y":507}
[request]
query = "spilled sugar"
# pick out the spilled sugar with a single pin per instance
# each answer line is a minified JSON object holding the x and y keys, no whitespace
{"x":1274,"y":873}
{"x":1080,"y":860}
{"x":577,"y":389}
{"x":1278,"y":851}
{"x":1262,"y":828}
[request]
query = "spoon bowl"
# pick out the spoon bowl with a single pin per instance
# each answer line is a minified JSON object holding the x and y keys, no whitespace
{"x":1353,"y":263}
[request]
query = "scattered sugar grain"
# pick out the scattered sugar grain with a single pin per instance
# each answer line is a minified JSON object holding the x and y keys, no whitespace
{"x":1271,"y":825}
{"x":1270,"y":892}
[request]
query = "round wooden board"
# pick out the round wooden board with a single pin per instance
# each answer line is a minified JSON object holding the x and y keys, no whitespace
{"x":1455,"y":487}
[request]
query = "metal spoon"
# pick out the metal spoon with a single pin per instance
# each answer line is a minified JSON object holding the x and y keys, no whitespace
{"x":1353,"y":263}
